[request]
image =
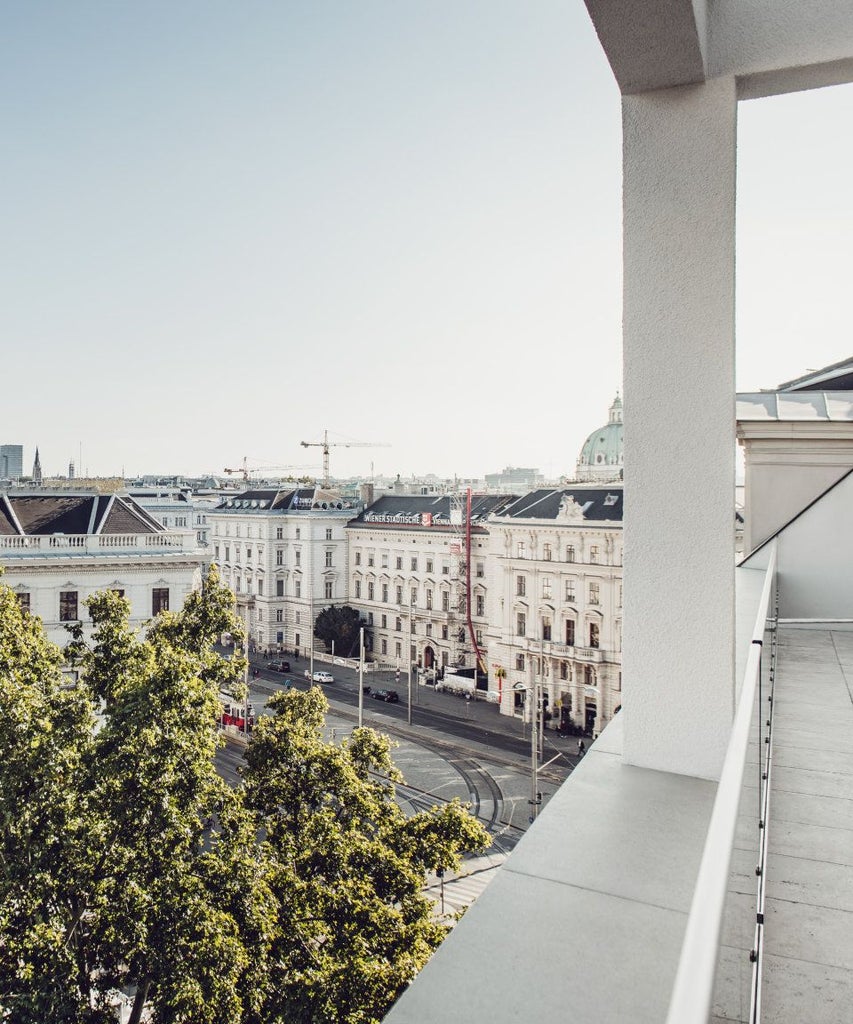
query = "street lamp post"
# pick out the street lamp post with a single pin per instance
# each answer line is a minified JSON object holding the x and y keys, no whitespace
{"x":409,"y":660}
{"x":311,"y":622}
{"x":540,"y":706}
{"x":534,"y":753}
{"x":246,"y":673}
{"x":532,"y":695}
{"x":361,"y":678}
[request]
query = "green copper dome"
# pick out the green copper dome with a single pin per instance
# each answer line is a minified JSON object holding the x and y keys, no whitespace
{"x":601,"y":455}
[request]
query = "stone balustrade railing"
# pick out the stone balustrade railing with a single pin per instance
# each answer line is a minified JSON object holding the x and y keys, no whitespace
{"x":593,"y":654}
{"x":58,"y":543}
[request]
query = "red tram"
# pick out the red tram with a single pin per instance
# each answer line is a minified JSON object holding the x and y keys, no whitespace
{"x":232,"y":713}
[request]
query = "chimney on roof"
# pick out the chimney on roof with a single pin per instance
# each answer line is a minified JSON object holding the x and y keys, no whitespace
{"x":366,"y":493}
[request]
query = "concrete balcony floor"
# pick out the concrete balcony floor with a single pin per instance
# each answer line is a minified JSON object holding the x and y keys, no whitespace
{"x":808,"y":969}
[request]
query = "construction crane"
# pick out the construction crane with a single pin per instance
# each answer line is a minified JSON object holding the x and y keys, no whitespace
{"x":326,"y":444}
{"x":245,"y":470}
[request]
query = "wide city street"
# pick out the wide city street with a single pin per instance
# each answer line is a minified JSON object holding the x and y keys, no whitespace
{"x":453,"y":748}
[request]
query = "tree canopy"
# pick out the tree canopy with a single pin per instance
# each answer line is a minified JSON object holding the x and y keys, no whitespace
{"x":127,"y":863}
{"x":339,"y":625}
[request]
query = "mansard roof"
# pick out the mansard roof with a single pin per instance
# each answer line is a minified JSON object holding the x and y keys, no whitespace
{"x":257,"y":499}
{"x":567,"y":504}
{"x":427,"y":511}
{"x":40,"y":512}
{"x":837,"y":377}
{"x":290,"y":499}
{"x":9,"y":526}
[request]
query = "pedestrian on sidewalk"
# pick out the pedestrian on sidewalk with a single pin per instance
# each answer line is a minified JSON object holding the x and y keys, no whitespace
{"x":581,"y":748}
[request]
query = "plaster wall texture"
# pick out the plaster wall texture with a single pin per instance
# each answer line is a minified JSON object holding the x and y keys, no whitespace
{"x":814,"y":557}
{"x":787,"y":465}
{"x":679,"y":201}
{"x":136,"y":577}
{"x":775,"y":498}
{"x":753,"y":36}
{"x":652,"y":44}
{"x":771,"y":46}
{"x":679,"y":236}
{"x":785,"y":80}
{"x":700,"y":16}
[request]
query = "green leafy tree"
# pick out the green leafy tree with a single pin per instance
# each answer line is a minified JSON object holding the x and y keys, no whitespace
{"x":45,"y":737}
{"x":347,"y":866}
{"x":111,"y":870}
{"x":125,"y":860}
{"x":339,"y":626}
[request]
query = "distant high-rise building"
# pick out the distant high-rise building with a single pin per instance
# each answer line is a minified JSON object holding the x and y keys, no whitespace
{"x":514,"y":478}
{"x":71,"y":470}
{"x":11,"y":461}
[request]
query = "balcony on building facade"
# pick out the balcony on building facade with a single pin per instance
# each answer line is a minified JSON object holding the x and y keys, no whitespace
{"x":590,"y":654}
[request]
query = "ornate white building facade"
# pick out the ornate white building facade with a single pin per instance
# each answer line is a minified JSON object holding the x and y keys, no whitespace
{"x":57,"y":549}
{"x":555,"y":585}
{"x":284,"y":554}
{"x":408,"y":577}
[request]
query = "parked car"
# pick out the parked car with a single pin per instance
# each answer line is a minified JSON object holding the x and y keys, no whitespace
{"x":319,"y":677}
{"x":279,"y":666}
{"x":390,"y":696}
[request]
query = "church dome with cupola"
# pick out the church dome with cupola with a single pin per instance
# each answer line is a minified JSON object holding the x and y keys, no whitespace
{"x":601,"y":455}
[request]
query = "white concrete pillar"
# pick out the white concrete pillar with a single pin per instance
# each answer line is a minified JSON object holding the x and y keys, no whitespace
{"x":679,"y":288}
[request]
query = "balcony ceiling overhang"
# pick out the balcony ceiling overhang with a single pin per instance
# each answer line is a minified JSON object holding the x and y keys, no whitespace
{"x":650,"y":44}
{"x":770,"y":46}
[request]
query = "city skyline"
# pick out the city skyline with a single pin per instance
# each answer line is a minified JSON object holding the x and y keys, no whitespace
{"x":257,"y":475}
{"x":234,"y":229}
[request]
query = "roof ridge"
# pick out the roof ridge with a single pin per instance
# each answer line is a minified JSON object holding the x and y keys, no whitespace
{"x":95,"y":506}
{"x":815,"y":374}
{"x":141,"y":514}
{"x":11,"y":512}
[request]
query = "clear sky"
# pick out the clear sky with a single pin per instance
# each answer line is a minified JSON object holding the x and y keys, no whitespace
{"x":230,"y":226}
